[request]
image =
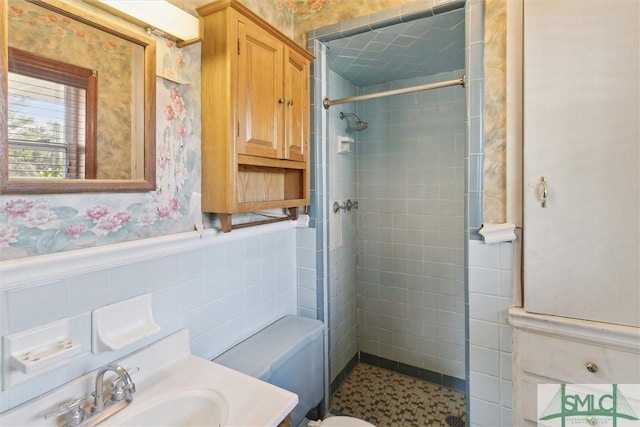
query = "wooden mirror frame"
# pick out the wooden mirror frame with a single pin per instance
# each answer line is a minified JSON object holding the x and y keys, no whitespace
{"x":48,"y":186}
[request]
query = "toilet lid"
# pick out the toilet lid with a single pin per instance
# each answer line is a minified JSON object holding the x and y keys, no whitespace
{"x":345,"y":422}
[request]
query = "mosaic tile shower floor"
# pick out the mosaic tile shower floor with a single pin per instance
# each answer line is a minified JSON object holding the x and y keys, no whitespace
{"x":389,"y":399}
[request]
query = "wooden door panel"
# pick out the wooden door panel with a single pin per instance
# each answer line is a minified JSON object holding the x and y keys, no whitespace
{"x":297,"y":106}
{"x":259,"y":114}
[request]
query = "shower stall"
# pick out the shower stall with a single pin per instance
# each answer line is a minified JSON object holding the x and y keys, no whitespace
{"x":391,"y":191}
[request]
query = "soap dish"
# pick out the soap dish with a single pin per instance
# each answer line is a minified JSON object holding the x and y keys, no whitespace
{"x":34,"y":352}
{"x":118,"y":325}
{"x":45,"y":355}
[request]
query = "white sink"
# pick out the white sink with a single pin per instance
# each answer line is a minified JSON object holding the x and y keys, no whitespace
{"x":174,"y":388}
{"x":200,"y":407}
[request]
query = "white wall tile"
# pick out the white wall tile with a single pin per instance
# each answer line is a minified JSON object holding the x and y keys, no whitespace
{"x":165,"y":303}
{"x":484,"y":334}
{"x":484,"y":360}
{"x":506,"y":256}
{"x":160,"y":273}
{"x":506,"y":283}
{"x":483,"y":255}
{"x":214,"y":285}
{"x":189,"y":265}
{"x":489,"y":333}
{"x":234,"y":254}
{"x":485,"y":387}
{"x":28,"y":390}
{"x":485,"y":281}
{"x":506,"y":400}
{"x":506,"y":416}
{"x":120,"y":289}
{"x":506,"y":338}
{"x":484,"y":414}
{"x":129,"y":280}
{"x":86,"y":292}
{"x":193,"y":289}
{"x":35,"y":305}
{"x":484,"y":307}
{"x":214,"y":259}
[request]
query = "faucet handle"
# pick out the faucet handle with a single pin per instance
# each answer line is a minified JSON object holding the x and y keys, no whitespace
{"x":120,"y":390}
{"x":73,"y":410}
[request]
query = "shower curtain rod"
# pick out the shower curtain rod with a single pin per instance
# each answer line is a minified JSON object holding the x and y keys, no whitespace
{"x":326,"y":102}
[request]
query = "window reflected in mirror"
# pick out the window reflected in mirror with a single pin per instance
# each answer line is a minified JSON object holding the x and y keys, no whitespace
{"x":52,"y":118}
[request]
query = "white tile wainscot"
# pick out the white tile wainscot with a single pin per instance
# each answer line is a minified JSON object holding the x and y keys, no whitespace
{"x":223,"y":287}
{"x":490,"y":360}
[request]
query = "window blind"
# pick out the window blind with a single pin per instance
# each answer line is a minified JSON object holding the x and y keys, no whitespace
{"x":52,"y":115}
{"x":46,"y":128}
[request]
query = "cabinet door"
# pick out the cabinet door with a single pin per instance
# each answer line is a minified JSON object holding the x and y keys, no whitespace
{"x":581,"y":132}
{"x":260,"y":97}
{"x":297,"y":106}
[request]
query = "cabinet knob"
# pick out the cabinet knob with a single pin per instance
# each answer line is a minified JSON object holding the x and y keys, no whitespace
{"x":290,"y":102}
{"x":281,"y":101}
{"x":592,"y":367}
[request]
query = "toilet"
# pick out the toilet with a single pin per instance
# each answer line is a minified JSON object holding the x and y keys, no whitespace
{"x":291,"y":357}
{"x":340,"y":422}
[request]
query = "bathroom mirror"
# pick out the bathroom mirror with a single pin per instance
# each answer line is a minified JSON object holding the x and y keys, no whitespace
{"x":77,"y":101}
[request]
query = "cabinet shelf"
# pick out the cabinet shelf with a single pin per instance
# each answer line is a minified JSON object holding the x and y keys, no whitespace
{"x":276,"y":163}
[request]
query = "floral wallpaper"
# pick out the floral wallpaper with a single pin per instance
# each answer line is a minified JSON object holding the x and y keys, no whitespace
{"x":303,"y":7}
{"x":35,"y":225}
{"x":55,"y":36}
{"x":313,"y":14}
{"x":266,"y":9}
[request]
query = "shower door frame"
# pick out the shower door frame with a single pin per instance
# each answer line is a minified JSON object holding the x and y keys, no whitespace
{"x":474,"y":154}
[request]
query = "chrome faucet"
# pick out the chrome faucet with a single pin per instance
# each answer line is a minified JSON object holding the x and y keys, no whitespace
{"x":122,"y":388}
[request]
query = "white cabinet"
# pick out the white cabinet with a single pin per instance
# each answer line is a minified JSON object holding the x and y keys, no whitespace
{"x":582,"y":134}
{"x":581,"y":199}
{"x":557,"y":350}
{"x":561,"y":350}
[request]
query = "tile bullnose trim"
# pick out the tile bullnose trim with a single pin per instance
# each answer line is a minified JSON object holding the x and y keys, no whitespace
{"x":40,"y":269}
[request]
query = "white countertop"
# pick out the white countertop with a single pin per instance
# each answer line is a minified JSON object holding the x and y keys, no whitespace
{"x":167,"y":366}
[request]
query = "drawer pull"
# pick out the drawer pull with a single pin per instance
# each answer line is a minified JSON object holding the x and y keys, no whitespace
{"x":592,"y":421}
{"x":592,"y":367}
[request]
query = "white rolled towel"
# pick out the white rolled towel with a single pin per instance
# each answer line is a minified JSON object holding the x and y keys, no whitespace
{"x":496,"y":233}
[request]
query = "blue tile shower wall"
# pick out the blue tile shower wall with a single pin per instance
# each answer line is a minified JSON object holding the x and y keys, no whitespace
{"x":474,"y":68}
{"x":474,"y":54}
{"x":342,"y":323}
{"x":411,"y":226}
{"x":482,"y":413}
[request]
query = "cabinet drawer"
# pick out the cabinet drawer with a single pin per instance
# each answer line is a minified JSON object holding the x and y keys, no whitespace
{"x":525,"y":397}
{"x":565,"y":361}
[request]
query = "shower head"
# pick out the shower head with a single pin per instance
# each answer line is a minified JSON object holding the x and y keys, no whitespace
{"x":360,"y":125}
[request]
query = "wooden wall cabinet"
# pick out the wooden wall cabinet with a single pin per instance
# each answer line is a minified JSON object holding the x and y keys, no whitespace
{"x":255,"y":114}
